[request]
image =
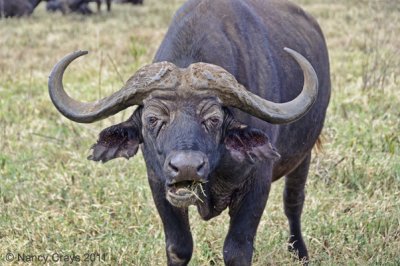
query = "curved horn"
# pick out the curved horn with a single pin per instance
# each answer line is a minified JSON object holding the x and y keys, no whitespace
{"x":161,"y":75}
{"x":231,"y":93}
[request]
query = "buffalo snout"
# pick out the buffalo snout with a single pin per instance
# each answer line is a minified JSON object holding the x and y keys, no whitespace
{"x":186,"y":166}
{"x":186,"y":172}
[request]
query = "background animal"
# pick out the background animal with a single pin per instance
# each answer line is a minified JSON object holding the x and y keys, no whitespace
{"x":134,"y":2}
{"x":77,"y":6}
{"x":199,"y":151}
{"x":15,"y":8}
{"x":18,"y":8}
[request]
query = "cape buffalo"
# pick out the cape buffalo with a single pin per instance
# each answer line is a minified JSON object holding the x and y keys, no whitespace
{"x":77,"y":6}
{"x":15,"y":8}
{"x":224,"y":110}
{"x":18,"y":8}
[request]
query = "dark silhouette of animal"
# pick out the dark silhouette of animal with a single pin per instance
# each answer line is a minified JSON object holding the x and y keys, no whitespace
{"x":15,"y":8}
{"x":18,"y":8}
{"x":57,"y":5}
{"x":224,"y":110}
{"x":76,"y":6}
{"x":134,"y":2}
{"x":98,"y":2}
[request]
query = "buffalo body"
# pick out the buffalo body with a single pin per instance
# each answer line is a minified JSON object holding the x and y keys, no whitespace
{"x":224,"y":111}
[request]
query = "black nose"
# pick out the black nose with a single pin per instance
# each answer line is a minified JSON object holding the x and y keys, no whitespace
{"x":186,"y":166}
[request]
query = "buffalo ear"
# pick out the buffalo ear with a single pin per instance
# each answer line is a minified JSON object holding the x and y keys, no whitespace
{"x":121,"y":140}
{"x":249,"y":143}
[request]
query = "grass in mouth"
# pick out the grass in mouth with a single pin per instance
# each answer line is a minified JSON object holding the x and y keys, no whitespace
{"x":195,"y":187}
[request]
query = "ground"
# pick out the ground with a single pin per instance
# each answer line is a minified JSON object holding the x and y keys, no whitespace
{"x":54,"y":201}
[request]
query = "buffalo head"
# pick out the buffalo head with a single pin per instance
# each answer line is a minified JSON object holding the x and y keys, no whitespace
{"x":183,"y":121}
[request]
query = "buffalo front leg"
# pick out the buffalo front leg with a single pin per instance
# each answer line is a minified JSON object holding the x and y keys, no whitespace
{"x":293,"y":200}
{"x":238,"y":246}
{"x":178,"y":238}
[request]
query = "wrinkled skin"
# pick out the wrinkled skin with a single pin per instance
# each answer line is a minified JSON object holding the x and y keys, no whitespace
{"x":191,"y":142}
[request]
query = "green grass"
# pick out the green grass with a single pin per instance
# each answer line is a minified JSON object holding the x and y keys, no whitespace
{"x":53,"y":200}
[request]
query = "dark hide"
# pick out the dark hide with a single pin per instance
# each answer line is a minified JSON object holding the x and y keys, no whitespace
{"x":99,"y":2}
{"x":35,"y":3}
{"x":18,"y":8}
{"x":79,"y":6}
{"x":134,"y":2}
{"x":15,"y":8}
{"x":67,"y":6}
{"x":243,"y":154}
{"x":75,"y":6}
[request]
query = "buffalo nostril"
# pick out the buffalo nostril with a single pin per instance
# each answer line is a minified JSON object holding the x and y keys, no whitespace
{"x":200,"y":167}
{"x":173,"y":168}
{"x":186,"y":165}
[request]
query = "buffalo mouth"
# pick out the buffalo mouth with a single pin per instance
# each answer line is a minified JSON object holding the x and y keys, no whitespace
{"x":185,"y":193}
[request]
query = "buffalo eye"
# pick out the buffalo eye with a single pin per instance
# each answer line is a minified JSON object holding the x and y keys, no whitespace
{"x":152,"y":121}
{"x":155,"y":124}
{"x":211,"y":123}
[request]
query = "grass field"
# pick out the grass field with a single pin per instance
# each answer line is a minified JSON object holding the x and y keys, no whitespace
{"x":54,"y":201}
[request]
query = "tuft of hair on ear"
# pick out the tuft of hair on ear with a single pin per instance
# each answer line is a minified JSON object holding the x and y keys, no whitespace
{"x":121,"y":140}
{"x":319,"y":144}
{"x":251,"y":144}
